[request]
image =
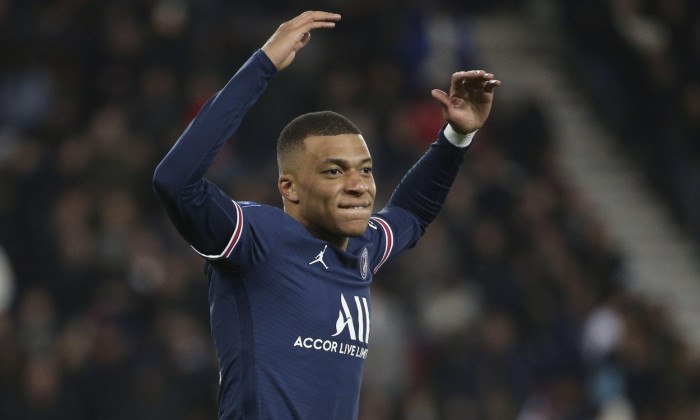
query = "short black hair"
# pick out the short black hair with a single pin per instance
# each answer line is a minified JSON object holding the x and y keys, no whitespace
{"x":320,"y":123}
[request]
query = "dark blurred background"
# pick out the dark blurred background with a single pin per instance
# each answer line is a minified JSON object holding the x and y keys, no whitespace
{"x":513,"y":306}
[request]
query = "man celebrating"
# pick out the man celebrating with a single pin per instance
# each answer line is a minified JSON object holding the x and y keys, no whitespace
{"x":289,"y":290}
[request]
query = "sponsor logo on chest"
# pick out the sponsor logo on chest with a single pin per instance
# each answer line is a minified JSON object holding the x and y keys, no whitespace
{"x":353,"y":323}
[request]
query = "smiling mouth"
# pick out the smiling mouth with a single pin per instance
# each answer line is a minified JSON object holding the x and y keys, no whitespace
{"x":355,"y":207}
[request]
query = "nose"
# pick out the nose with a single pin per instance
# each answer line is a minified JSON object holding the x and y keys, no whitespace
{"x":356,"y":184}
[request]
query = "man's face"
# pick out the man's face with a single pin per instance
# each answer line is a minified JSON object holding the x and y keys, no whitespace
{"x":334,"y":187}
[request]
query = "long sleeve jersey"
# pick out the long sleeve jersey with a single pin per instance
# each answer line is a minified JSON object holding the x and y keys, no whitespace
{"x":290,"y":313}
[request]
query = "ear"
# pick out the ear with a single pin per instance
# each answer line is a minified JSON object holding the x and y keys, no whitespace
{"x":287,"y":187}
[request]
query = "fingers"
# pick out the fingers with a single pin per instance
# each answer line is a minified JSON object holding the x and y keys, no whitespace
{"x":294,"y":34}
{"x":317,"y":15}
{"x":474,"y":79}
{"x":491,"y":85}
{"x":301,"y":26}
{"x":314,"y":20}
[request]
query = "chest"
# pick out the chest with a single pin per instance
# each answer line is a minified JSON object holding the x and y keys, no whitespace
{"x":317,"y":295}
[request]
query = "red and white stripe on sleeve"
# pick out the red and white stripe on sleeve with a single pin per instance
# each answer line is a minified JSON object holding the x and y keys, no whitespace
{"x":389,"y":243}
{"x":235,"y":237}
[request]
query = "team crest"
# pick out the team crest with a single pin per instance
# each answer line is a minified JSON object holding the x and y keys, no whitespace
{"x":364,"y":264}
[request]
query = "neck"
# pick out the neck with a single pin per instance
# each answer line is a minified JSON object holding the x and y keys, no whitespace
{"x":339,"y":241}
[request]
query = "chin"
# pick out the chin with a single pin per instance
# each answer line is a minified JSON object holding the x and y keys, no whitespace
{"x":357,"y":228}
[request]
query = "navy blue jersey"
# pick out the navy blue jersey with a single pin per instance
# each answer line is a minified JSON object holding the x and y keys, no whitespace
{"x":290,"y":314}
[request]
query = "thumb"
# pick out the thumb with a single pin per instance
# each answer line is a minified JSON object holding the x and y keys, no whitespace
{"x":441,"y":97}
{"x":305,"y":39}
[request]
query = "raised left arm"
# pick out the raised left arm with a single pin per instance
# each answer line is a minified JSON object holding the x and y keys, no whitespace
{"x":424,"y":188}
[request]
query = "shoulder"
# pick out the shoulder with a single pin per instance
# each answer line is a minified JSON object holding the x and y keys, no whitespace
{"x":252,"y":208}
{"x":257,"y":231}
{"x":376,"y":243}
{"x":260,"y":218}
{"x":252,"y":204}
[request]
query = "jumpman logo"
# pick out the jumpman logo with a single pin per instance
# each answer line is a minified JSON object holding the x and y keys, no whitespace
{"x":319,"y":258}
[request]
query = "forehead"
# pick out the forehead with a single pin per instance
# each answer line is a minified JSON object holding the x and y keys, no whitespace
{"x":350,"y":147}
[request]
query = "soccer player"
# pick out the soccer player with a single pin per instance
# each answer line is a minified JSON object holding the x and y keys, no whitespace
{"x":289,"y":289}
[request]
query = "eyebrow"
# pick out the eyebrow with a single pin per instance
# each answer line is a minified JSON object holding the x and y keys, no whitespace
{"x":345,"y":163}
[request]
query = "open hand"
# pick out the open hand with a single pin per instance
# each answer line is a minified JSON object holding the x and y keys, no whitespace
{"x":468,"y":104}
{"x":293,"y":35}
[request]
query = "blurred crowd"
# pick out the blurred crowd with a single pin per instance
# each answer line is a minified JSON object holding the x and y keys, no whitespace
{"x":513,"y":306}
{"x":640,"y":61}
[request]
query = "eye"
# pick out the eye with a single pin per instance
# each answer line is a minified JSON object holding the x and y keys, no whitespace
{"x":366,"y":170}
{"x":334,"y":171}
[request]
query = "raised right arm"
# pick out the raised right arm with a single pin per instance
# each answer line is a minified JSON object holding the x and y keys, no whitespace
{"x":200,"y":211}
{"x":202,"y":214}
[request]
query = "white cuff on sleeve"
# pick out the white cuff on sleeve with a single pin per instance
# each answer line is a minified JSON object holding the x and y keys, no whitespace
{"x":459,"y":140}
